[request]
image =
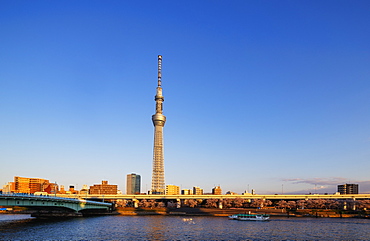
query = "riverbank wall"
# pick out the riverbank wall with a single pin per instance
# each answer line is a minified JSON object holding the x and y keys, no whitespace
{"x":186,"y":211}
{"x":227,"y":212}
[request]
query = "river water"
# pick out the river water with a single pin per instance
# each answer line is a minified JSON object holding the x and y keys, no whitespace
{"x":22,"y":227}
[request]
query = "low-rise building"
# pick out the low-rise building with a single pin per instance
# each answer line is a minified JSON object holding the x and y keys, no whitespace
{"x":217,"y":190}
{"x":186,"y":192}
{"x":72,"y":190}
{"x":9,"y":188}
{"x":84,"y":190}
{"x":62,"y":190}
{"x":231,"y":193}
{"x":103,"y":189}
{"x":172,"y":190}
{"x":197,"y":191}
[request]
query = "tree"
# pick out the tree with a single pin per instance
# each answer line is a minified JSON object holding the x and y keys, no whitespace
{"x":192,"y":203}
{"x":291,"y":205}
{"x":332,"y":204}
{"x":260,"y":203}
{"x":255,"y":203}
{"x":301,"y":204}
{"x":238,"y":202}
{"x":147,"y":203}
{"x":282,"y":204}
{"x":211,"y":203}
{"x":144,"y":203}
{"x":121,"y":203}
{"x":160,"y":204}
{"x":227,"y":203}
{"x":267,"y":203}
{"x":316,"y":203}
{"x":363,"y":204}
{"x":152,"y":203}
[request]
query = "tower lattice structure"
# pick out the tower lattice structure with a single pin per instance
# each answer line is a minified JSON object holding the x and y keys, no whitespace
{"x":158,"y":184}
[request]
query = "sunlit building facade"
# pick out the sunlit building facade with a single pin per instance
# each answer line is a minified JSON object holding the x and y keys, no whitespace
{"x":172,"y":190}
{"x":9,"y":188}
{"x":187,"y":192}
{"x":32,"y":185}
{"x":217,"y":190}
{"x":103,"y":189}
{"x":197,"y":191}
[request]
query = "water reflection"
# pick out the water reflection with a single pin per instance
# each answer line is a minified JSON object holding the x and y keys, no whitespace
{"x":155,"y":228}
{"x":182,"y":228}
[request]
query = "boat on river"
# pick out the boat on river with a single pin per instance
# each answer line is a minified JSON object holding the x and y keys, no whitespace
{"x":250,"y":217}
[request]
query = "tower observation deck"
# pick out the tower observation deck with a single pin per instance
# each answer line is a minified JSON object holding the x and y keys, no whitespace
{"x":158,"y":184}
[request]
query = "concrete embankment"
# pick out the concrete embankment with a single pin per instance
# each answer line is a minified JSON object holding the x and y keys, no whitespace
{"x":186,"y":211}
{"x":226,"y":212}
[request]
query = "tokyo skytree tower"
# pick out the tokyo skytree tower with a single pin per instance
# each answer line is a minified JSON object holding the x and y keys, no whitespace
{"x":158,"y":184}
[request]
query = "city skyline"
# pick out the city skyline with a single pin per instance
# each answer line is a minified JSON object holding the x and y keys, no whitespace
{"x":271,"y":96}
{"x":32,"y":185}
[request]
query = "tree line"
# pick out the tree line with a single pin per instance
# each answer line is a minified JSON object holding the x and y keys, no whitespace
{"x":254,"y":203}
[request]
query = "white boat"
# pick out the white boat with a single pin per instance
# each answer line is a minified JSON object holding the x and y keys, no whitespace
{"x":250,"y":217}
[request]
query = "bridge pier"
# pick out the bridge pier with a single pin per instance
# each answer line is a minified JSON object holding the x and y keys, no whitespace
{"x":136,"y":203}
{"x":220,"y":206}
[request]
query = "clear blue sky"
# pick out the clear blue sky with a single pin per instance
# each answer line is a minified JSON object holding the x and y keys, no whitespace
{"x":270,"y":95}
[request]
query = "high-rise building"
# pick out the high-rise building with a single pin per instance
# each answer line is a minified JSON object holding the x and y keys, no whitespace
{"x":158,"y":184}
{"x":103,"y":188}
{"x":172,"y":190}
{"x":217,"y":190}
{"x":133,"y":183}
{"x":348,"y":189}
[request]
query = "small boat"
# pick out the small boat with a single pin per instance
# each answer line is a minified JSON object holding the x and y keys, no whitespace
{"x":250,"y":217}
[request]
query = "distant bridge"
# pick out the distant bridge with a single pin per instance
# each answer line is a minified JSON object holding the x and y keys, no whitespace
{"x":210,"y":196}
{"x":78,"y":202}
{"x":52,"y":203}
{"x":179,"y":199}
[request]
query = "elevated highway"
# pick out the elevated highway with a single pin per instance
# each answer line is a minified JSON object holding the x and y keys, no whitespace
{"x":180,"y":199}
{"x":80,"y":202}
{"x":257,"y":196}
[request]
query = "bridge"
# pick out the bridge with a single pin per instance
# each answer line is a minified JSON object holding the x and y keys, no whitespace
{"x":50,"y":205}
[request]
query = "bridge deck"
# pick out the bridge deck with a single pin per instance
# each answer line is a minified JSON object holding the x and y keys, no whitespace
{"x":74,"y":204}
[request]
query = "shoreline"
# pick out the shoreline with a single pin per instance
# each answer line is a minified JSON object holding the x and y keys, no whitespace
{"x":313,"y":213}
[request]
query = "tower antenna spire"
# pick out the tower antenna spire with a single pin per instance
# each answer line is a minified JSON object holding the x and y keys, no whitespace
{"x":159,"y":70}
